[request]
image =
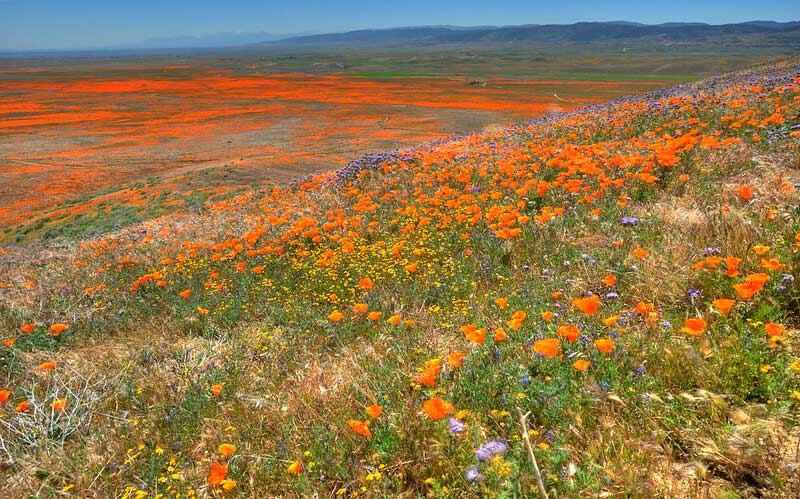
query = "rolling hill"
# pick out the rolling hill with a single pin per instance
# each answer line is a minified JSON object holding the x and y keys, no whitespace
{"x":599,"y":303}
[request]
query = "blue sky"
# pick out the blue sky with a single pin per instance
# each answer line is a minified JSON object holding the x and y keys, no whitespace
{"x":36,"y":24}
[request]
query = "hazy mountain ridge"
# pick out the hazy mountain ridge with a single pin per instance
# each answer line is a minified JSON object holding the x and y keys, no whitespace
{"x":582,"y":32}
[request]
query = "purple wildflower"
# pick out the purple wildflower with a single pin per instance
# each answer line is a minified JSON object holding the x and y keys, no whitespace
{"x":491,"y":449}
{"x":630,"y":221}
{"x":456,"y":426}
{"x":473,"y":475}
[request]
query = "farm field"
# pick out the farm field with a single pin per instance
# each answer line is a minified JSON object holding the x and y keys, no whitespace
{"x":88,"y":146}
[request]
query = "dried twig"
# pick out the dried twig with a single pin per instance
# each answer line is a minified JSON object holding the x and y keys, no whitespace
{"x":41,"y":426}
{"x":537,"y":475}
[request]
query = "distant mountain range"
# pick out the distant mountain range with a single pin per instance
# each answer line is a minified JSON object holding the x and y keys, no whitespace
{"x":208,"y":40}
{"x":583,"y":32}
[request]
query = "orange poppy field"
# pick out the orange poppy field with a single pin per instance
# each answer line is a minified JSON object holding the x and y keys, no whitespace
{"x":129,"y":142}
{"x":330,"y":293}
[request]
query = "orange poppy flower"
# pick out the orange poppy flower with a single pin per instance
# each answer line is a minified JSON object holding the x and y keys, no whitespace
{"x":365,"y":283}
{"x":436,"y":408}
{"x":771,"y":264}
{"x":694,"y":327}
{"x":27,"y":328}
{"x":374,"y":316}
{"x":217,"y":473}
{"x":745,"y":192}
{"x":57,"y":329}
{"x":4,"y":395}
{"x":775,"y":330}
{"x":47,"y":365}
{"x":610,"y":280}
{"x":360,"y":308}
{"x":216,"y":390}
{"x":516,"y":320}
{"x":23,"y":406}
{"x":374,"y":411}
{"x":547,"y":315}
{"x":611,"y":320}
{"x":360,"y":427}
{"x":570,"y":333}
{"x":732,"y":266}
{"x":295,"y":468}
{"x":581,"y":365}
{"x":640,"y":253}
{"x":548,"y":347}
{"x":412,"y":267}
{"x":752,"y":284}
{"x":605,"y":345}
{"x":429,"y":376}
{"x":473,"y":334}
{"x":59,"y":405}
{"x":202,"y":311}
{"x":587,"y":305}
{"x":336,"y":316}
{"x":229,"y":484}
{"x":501,"y":302}
{"x":185,"y":294}
{"x":394,"y":320}
{"x":761,"y":249}
{"x":723,"y":305}
{"x":9,"y":342}
{"x":455,"y":359}
{"x":556,"y":295}
{"x":499,"y":335}
{"x":226,"y":449}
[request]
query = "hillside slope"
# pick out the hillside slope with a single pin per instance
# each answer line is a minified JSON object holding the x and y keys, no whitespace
{"x":620,"y":277}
